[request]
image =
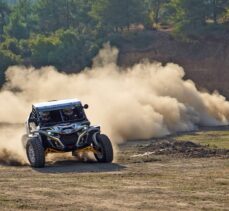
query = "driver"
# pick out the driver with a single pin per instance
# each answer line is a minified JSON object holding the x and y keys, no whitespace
{"x":69,"y":113}
{"x":45,"y":116}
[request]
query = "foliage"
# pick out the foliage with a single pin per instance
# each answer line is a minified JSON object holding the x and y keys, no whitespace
{"x":192,"y":18}
{"x":68,"y":33}
{"x":69,"y":46}
{"x":115,"y":15}
{"x":7,"y":59}
{"x":155,"y":10}
{"x":4,"y":12}
{"x":21,"y":20}
{"x":41,"y":48}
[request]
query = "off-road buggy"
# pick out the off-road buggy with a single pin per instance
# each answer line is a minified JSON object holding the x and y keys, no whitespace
{"x":62,"y":126}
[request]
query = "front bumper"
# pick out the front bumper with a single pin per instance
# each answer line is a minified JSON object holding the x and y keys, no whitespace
{"x":72,"y":141}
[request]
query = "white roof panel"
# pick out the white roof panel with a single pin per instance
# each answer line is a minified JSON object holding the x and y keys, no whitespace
{"x":56,"y":103}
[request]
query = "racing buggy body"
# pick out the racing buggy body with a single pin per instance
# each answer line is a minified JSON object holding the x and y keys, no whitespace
{"x":62,"y":126}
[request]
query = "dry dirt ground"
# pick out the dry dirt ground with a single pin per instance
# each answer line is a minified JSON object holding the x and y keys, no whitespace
{"x":174,"y":173}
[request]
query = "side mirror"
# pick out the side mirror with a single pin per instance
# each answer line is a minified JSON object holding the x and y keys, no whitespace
{"x":85,"y":106}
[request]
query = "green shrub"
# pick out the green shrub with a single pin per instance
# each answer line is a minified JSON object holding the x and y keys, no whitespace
{"x":41,"y":47}
{"x":7,"y":59}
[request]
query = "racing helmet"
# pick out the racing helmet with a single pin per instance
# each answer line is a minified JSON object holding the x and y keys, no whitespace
{"x":45,"y":115}
{"x":68,"y":111}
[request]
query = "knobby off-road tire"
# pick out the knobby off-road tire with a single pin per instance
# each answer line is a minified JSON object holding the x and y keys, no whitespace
{"x":35,"y":152}
{"x":105,"y":149}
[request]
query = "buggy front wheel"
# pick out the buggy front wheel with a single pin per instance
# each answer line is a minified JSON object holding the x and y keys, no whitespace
{"x":35,"y":152}
{"x":104,"y":149}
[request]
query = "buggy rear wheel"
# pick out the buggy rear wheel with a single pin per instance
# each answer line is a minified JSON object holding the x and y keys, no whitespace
{"x":104,"y":149}
{"x":35,"y":152}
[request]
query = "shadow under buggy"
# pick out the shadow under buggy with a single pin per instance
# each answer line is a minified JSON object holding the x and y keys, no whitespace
{"x":62,"y":126}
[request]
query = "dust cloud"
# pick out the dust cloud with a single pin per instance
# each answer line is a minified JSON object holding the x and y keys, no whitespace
{"x":11,"y":149}
{"x":146,"y":100}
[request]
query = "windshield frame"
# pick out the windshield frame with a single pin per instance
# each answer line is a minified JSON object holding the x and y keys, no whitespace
{"x":79,"y":109}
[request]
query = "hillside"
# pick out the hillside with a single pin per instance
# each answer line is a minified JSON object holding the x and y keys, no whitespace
{"x":68,"y":34}
{"x":206,"y":61}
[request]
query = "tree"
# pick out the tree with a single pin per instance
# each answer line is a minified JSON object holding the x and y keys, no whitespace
{"x":78,"y":14}
{"x":115,"y":15}
{"x":54,"y":15}
{"x":188,"y":15}
{"x":21,"y":20}
{"x":64,"y":49}
{"x":41,"y":47}
{"x":154,"y":11}
{"x":7,"y":59}
{"x":217,"y":9}
{"x":4,"y":12}
{"x":50,"y":15}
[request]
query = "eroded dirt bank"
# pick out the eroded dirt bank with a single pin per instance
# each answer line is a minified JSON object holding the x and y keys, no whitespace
{"x":206,"y":62}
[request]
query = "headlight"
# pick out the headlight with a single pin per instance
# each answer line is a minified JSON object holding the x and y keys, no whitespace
{"x":50,"y":133}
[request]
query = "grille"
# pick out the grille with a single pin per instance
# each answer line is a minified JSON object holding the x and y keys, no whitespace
{"x":68,"y":140}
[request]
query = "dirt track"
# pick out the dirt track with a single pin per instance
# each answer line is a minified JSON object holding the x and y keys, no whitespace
{"x":137,"y":180}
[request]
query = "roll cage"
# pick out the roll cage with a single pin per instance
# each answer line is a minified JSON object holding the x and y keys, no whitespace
{"x":56,"y":111}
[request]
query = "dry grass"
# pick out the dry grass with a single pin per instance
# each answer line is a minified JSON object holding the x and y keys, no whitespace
{"x":155,"y":182}
{"x":189,"y":184}
{"x":215,"y":138}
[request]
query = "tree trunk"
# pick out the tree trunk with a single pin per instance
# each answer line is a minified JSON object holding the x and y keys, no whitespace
{"x":157,"y":10}
{"x":214,"y":5}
